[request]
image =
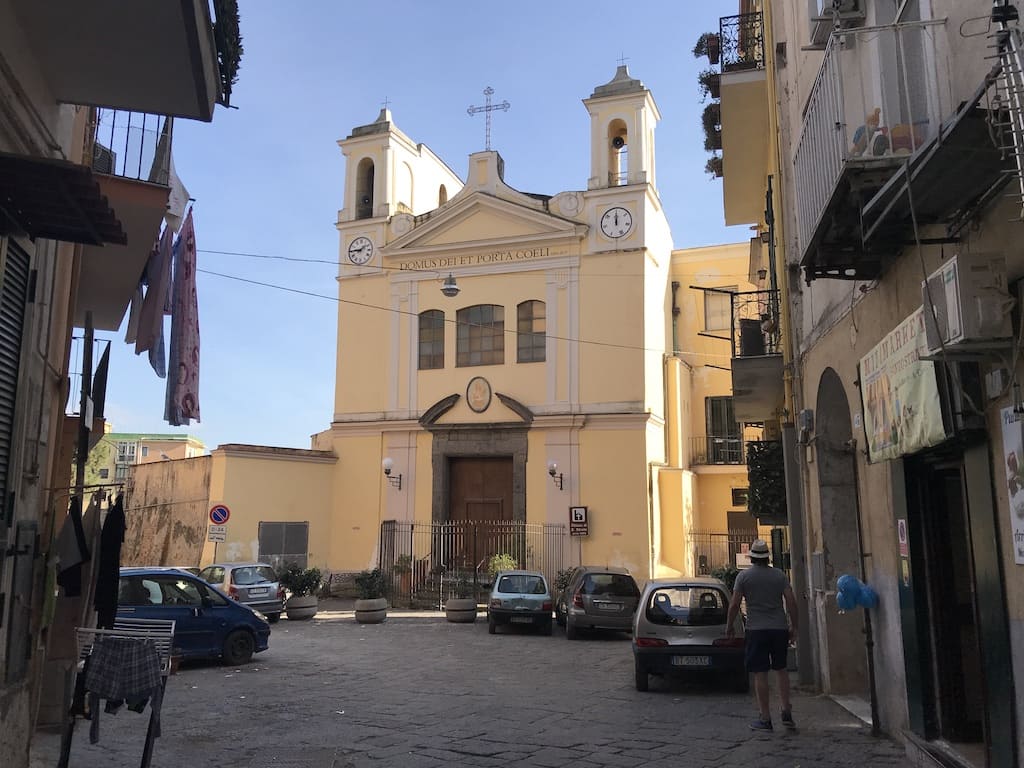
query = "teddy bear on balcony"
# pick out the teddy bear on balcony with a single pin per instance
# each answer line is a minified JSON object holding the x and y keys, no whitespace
{"x":862,"y":136}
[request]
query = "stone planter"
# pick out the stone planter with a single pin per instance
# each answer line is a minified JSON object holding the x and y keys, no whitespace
{"x":371,"y":611}
{"x":460,"y":610}
{"x":304,"y":607}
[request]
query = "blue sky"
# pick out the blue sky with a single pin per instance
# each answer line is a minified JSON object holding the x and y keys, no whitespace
{"x":267,"y":177}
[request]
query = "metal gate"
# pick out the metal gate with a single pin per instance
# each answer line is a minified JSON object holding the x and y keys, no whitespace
{"x":422,"y":561}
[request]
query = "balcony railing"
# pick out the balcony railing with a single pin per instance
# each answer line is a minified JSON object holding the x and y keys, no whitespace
{"x":724,"y":449}
{"x":133,"y":145}
{"x":755,"y":323}
{"x":742,"y":41}
{"x":880,"y":94}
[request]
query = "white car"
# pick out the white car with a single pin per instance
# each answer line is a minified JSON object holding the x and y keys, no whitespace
{"x":520,"y":597}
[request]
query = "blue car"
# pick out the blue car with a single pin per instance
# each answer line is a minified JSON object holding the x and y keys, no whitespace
{"x":208,"y":624}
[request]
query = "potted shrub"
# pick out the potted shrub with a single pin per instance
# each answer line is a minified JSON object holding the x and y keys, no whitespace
{"x":302,"y":585}
{"x":403,"y":571}
{"x":710,"y":84}
{"x":371,"y":607}
{"x":711,"y":119}
{"x":461,"y":609}
{"x":500,"y":562}
{"x":708,"y":44}
{"x":714,"y":166}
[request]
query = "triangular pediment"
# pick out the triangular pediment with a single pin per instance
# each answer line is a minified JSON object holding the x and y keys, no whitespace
{"x":481,"y":219}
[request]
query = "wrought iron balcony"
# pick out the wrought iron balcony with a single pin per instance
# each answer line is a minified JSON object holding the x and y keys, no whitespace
{"x":755,"y":324}
{"x":133,"y":145}
{"x":880,"y":95}
{"x":742,"y":41}
{"x":717,"y":449}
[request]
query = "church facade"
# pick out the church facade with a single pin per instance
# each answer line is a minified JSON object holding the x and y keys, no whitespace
{"x":517,"y":374}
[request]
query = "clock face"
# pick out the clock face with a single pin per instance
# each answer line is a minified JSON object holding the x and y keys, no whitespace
{"x":360,"y":250}
{"x":616,"y":222}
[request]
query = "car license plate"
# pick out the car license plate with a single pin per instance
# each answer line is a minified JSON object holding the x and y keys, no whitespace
{"x":522,"y":620}
{"x":257,"y":591}
{"x":610,"y":606}
{"x":691,"y":661}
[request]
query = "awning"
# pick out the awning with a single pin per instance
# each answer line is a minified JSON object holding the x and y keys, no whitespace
{"x":949,"y":179}
{"x":55,"y":200}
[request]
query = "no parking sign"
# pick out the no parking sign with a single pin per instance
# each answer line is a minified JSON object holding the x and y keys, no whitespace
{"x":219,"y":514}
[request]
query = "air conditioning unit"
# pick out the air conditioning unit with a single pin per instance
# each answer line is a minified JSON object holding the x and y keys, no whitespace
{"x":971,"y":304}
{"x":823,"y":17}
{"x":103,"y":160}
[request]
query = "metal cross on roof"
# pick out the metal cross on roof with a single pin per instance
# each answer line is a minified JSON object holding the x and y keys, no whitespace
{"x":487,"y":109}
{"x":623,"y":59}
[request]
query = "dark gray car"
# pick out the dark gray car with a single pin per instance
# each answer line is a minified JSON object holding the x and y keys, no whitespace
{"x":597,"y":597}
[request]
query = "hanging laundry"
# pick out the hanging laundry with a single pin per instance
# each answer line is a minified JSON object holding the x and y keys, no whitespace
{"x":151,"y":319}
{"x":108,"y":573}
{"x":72,"y":550}
{"x":123,"y":668}
{"x":132,"y":331}
{"x":182,"y":401}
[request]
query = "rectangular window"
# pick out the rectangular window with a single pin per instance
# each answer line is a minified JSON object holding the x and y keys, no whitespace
{"x":145,"y":451}
{"x":739,"y":496}
{"x":718,"y":309}
{"x":121,"y":472}
{"x":531,"y":336}
{"x":725,"y":445}
{"x":431,"y":340}
{"x":125,"y":452}
{"x":104,"y":473}
{"x":481,"y":335}
{"x":283,"y":543}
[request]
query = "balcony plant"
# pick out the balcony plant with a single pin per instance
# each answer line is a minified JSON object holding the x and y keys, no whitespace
{"x":302,"y":585}
{"x":711,"y":120}
{"x":710,"y":83}
{"x":714,"y":166}
{"x":372,"y":606}
{"x":461,"y":609}
{"x":708,"y":44}
{"x":767,"y":473}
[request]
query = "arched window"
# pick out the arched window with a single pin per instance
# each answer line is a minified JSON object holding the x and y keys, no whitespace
{"x":364,"y":189}
{"x":481,"y":335}
{"x":431,"y":339}
{"x":442,"y":195}
{"x":531,"y":336}
{"x":618,"y":153}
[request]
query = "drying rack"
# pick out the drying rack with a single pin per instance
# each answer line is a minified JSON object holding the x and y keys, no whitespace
{"x":161,"y":632}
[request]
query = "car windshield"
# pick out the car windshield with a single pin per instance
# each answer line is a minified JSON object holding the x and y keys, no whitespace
{"x":687,"y":605}
{"x":522,"y":584}
{"x":610,"y":585}
{"x":253,"y":574}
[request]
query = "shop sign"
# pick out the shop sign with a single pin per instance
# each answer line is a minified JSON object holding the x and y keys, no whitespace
{"x":899,"y":393}
{"x":1013,"y":471}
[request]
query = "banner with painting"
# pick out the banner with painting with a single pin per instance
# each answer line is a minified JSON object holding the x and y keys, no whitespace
{"x":1013,"y":469}
{"x":902,"y":412}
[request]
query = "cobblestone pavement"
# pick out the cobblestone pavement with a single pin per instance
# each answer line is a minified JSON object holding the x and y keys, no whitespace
{"x":419,"y":691}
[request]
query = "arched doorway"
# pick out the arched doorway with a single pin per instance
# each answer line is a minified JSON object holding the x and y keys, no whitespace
{"x":840,"y":636}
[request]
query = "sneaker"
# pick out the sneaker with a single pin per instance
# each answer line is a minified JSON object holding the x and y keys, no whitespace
{"x":787,"y":719}
{"x":761,"y":725}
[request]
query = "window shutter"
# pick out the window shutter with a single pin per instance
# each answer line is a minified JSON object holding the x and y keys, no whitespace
{"x":13,"y":296}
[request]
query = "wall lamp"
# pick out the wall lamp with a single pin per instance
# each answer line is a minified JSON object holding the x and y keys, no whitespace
{"x":762,"y":274}
{"x":449,"y":287}
{"x":388,"y":465}
{"x":556,"y":476}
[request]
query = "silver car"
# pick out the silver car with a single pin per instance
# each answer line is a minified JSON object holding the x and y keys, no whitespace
{"x":520,"y":597}
{"x":680,"y":628}
{"x":253,"y":584}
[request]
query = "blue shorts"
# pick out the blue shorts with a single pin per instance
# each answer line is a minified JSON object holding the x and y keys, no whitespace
{"x":766,"y":649}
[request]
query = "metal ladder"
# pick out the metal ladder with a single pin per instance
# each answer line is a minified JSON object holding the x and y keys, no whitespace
{"x":1006,"y":40}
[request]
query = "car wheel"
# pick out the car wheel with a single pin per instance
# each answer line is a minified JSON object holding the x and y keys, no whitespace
{"x":571,"y":633}
{"x":560,"y":616}
{"x":238,"y":647}
{"x":640,"y":672}
{"x":546,"y":628}
{"x":273,"y":617}
{"x":491,"y":626}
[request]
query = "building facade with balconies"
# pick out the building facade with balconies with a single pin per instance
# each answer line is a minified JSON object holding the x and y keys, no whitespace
{"x":80,"y":208}
{"x":900,"y":132}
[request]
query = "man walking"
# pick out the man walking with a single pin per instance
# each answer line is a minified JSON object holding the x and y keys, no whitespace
{"x":769,"y":630}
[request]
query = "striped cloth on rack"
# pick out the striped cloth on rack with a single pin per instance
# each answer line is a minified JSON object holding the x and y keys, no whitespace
{"x":123,"y":668}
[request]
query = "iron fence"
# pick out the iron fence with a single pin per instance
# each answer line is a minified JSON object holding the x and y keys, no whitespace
{"x":423,"y":563}
{"x":742,"y":42}
{"x":718,"y":550}
{"x":755,"y":323}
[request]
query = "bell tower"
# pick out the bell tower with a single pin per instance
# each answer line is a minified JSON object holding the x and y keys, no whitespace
{"x":622,"y":120}
{"x":378,"y":171}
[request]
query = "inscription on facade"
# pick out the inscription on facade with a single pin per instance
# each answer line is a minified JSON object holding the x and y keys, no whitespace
{"x":491,"y":257}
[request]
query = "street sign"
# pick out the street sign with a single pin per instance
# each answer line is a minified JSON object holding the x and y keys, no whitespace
{"x":217,"y":533}
{"x":219,"y":514}
{"x":578,"y":523}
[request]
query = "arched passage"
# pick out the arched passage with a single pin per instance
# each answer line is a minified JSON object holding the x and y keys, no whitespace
{"x":841,"y":639}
